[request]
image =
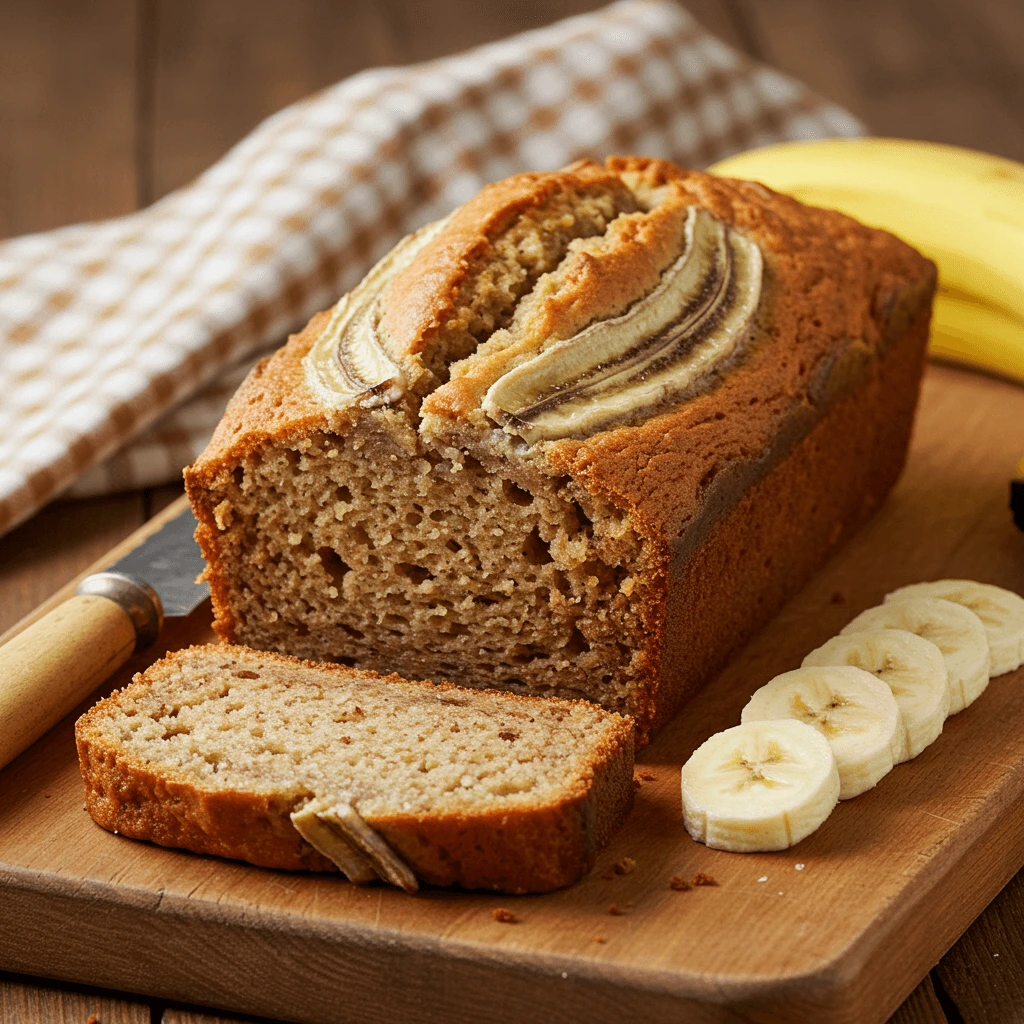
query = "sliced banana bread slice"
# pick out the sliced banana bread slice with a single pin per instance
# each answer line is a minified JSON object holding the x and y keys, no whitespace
{"x":297,"y":765}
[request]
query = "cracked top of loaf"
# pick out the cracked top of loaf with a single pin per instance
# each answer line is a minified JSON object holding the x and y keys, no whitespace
{"x":633,"y":326}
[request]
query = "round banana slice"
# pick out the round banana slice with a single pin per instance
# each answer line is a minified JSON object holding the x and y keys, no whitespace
{"x":759,"y":787}
{"x":853,"y":710}
{"x":954,"y":629}
{"x":912,"y":668}
{"x":1001,"y":613}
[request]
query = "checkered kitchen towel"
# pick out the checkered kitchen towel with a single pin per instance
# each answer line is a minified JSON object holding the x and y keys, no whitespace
{"x":105,"y":328}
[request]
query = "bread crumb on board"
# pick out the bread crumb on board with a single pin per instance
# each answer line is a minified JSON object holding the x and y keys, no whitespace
{"x":614,"y":910}
{"x":505,"y":916}
{"x":624,"y":866}
{"x":93,"y":1019}
{"x":680,"y":884}
{"x":601,"y":938}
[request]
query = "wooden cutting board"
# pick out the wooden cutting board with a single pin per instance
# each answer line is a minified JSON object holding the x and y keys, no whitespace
{"x":841,"y":928}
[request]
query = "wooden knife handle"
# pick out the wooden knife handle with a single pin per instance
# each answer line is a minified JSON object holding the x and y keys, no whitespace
{"x":60,"y":659}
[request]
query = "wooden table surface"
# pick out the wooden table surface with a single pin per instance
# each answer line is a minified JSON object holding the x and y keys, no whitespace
{"x":108,"y":105}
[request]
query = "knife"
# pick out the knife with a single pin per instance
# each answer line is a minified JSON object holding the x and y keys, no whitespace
{"x":61,"y":658}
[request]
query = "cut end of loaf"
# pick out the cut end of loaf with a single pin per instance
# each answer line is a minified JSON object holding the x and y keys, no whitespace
{"x":430,"y":566}
{"x":213,"y":748}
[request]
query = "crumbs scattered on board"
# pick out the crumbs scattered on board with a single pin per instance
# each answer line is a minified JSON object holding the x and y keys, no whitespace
{"x":624,"y":866}
{"x":614,"y":911}
{"x":646,"y":776}
{"x":680,"y":884}
{"x":505,"y":916}
{"x":601,"y":938}
{"x":93,"y":1019}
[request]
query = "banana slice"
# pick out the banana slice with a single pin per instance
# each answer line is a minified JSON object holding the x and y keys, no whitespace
{"x":954,"y":629}
{"x":853,"y":710}
{"x":1001,"y":613}
{"x":759,"y":787}
{"x":912,"y":668}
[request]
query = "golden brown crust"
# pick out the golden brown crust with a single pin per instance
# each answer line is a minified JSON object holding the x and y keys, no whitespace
{"x":723,"y":587}
{"x":598,"y":282}
{"x":832,"y":282}
{"x":517,"y":851}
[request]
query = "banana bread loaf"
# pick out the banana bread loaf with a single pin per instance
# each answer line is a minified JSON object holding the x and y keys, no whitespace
{"x":288,"y":764}
{"x":581,"y":438}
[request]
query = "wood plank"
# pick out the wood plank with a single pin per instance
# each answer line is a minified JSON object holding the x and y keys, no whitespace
{"x":984,"y":972}
{"x":911,"y":862}
{"x":204,"y":50}
{"x":907,"y":67}
{"x":158,"y":498}
{"x":922,"y":1006}
{"x":222,"y":68}
{"x":22,"y":1003}
{"x":66,"y":112}
{"x":173,"y":1016}
{"x":43,"y":554}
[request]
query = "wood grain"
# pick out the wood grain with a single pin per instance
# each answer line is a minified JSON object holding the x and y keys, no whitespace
{"x":55,"y":663}
{"x":172,"y":1016}
{"x":56,"y":544}
{"x":944,"y":70}
{"x":984,"y":973}
{"x":66,"y":112}
{"x":922,"y":1006}
{"x":911,"y":863}
{"x":284,"y":52}
{"x":37,"y":1004}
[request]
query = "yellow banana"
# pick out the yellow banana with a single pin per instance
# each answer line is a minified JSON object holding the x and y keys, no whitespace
{"x":963,"y":209}
{"x":965,"y":330}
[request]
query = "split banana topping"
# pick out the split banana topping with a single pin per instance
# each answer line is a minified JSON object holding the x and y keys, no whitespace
{"x":339,"y":833}
{"x":912,"y":667}
{"x":1001,"y":613}
{"x":759,"y":786}
{"x":661,"y":346}
{"x":348,"y":362}
{"x":853,"y":710}
{"x":954,"y":629}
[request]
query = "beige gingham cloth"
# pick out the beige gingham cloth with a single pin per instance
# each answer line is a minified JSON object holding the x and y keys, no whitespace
{"x":106,"y":329}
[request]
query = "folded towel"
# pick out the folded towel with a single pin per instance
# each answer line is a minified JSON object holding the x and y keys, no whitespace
{"x":105,"y":328}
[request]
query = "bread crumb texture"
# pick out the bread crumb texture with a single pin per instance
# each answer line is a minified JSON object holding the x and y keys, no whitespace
{"x":213,"y":747}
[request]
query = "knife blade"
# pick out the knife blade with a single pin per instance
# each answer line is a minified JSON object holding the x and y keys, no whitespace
{"x":169,"y":561}
{"x":60,"y":659}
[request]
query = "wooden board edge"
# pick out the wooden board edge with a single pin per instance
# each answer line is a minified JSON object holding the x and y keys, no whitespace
{"x":130,"y":542}
{"x":922,"y":929}
{"x":901,"y":949}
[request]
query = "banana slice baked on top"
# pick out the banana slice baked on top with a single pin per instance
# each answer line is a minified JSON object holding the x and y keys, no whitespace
{"x":580,"y":438}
